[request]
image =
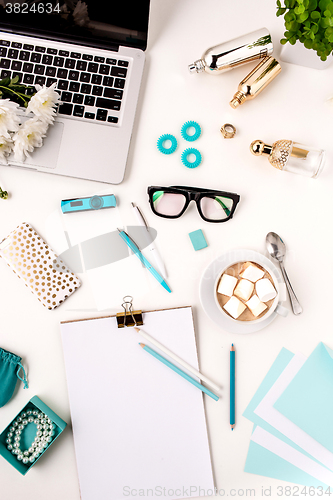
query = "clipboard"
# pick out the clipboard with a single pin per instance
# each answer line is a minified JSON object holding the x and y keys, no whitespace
{"x":155,"y":424}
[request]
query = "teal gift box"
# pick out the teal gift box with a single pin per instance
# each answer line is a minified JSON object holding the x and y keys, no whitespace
{"x":29,"y":433}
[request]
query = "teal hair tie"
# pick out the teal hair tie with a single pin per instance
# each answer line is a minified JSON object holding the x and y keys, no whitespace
{"x":191,"y":164}
{"x":184,"y":131}
{"x":162,"y":140}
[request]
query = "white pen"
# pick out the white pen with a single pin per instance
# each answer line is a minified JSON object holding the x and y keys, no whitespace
{"x":151,"y":246}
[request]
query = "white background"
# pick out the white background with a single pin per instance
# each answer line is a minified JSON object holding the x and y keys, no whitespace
{"x":294,"y":106}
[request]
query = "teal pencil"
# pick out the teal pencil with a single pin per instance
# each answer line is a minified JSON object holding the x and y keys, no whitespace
{"x":179,"y":371}
{"x":232,"y":387}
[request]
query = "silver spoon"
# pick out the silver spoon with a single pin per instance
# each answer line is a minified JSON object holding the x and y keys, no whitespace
{"x":277,"y":250}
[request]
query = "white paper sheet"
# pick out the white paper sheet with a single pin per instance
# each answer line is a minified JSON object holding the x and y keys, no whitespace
{"x":267,"y":412}
{"x":137,"y":424}
{"x":288,"y":453}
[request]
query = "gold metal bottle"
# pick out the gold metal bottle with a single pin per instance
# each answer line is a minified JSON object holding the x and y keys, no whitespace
{"x":256,"y":81}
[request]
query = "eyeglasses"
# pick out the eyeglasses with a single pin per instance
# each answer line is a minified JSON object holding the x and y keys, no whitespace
{"x":213,"y":206}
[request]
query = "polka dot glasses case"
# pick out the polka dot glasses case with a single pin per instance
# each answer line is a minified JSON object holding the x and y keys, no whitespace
{"x":38,"y":266}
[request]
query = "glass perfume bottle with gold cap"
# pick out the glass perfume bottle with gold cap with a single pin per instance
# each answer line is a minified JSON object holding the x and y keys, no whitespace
{"x":291,"y":157}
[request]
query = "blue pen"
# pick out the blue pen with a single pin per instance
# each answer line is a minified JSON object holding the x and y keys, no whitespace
{"x":134,"y":247}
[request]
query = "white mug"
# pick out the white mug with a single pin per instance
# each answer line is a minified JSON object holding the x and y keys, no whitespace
{"x":275,"y":307}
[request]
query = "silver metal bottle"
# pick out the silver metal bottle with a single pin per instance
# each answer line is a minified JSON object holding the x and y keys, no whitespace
{"x":255,"y":45}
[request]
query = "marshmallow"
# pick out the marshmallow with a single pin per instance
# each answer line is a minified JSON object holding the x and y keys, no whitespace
{"x":251,"y":272}
{"x":227,"y":285}
{"x":234,"y":307}
{"x":256,"y":306}
{"x":244,"y":289}
{"x":265,"y":290}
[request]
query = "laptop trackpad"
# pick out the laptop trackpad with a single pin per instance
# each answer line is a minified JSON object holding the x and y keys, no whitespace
{"x":47,"y":155}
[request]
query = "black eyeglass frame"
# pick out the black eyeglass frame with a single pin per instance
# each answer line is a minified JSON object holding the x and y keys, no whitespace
{"x":195,"y":194}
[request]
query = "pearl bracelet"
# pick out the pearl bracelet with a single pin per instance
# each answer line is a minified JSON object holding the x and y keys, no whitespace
{"x":44,"y":435}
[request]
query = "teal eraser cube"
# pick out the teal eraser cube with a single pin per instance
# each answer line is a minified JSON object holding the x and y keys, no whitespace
{"x":198,"y":240}
{"x":29,"y":433}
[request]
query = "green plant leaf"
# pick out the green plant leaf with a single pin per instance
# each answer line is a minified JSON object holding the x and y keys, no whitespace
{"x":315,"y":15}
{"x":314,"y":28}
{"x":312,"y":5}
{"x":323,"y":4}
{"x":290,"y":16}
{"x":292,"y":40}
{"x":278,"y":3}
{"x":323,"y":57}
{"x":308,"y":44}
{"x":280,"y":12}
{"x":303,"y":17}
{"x":283,"y":41}
{"x":5,"y":82}
{"x":293,"y":26}
{"x":324,"y":22}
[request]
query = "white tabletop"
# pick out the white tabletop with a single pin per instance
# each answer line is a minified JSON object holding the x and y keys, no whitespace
{"x":293,"y":106}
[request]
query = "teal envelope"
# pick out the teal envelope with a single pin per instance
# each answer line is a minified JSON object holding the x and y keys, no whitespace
{"x":308,"y":400}
{"x":273,"y":465}
{"x":265,"y":463}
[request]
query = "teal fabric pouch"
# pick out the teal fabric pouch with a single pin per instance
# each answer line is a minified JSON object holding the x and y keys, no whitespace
{"x":10,"y":366}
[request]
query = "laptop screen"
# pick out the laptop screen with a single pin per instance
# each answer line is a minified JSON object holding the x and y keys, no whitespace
{"x":98,"y":23}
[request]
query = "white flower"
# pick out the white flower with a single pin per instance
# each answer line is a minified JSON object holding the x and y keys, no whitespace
{"x":6,"y":145}
{"x":29,"y":136}
{"x":9,"y":121}
{"x":80,"y":13}
{"x":43,"y":103}
{"x":64,"y":9}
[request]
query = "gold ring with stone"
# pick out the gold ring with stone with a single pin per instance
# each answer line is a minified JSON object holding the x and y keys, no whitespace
{"x":228,"y":131}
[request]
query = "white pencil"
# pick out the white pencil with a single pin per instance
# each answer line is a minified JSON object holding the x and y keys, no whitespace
{"x":177,"y":358}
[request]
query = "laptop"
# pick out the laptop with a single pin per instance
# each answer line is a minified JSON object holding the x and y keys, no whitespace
{"x":94,"y":50}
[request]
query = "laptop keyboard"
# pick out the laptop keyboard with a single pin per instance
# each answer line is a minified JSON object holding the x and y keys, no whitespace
{"x":90,"y":87}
